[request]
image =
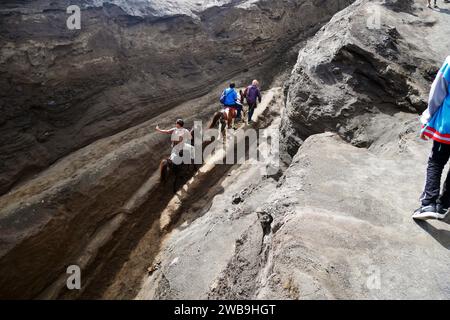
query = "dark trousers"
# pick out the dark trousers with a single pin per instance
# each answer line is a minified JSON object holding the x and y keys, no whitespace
{"x":251,"y":110}
{"x":436,"y":163}
{"x":239,"y":111}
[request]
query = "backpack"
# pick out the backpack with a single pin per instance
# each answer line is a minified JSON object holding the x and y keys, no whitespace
{"x":224,"y":96}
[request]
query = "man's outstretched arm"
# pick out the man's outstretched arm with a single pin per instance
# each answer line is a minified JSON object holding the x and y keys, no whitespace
{"x":164,"y":131}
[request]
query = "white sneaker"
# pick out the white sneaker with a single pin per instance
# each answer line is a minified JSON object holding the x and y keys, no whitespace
{"x":428,"y":216}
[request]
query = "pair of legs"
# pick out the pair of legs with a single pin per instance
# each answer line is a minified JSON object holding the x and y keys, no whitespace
{"x":251,"y":110}
{"x":239,"y":112}
{"x":439,"y":157}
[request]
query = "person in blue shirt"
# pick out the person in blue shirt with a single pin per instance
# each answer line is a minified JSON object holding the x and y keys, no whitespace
{"x":436,"y":126}
{"x":232,"y":100}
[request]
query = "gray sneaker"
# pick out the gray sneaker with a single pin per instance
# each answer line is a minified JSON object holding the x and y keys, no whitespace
{"x":429,"y":212}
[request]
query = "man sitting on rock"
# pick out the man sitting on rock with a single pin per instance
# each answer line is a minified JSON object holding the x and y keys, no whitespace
{"x":436,"y":125}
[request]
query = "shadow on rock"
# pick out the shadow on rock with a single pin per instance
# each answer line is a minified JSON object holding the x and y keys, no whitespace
{"x":446,"y":11}
{"x":440,"y":235}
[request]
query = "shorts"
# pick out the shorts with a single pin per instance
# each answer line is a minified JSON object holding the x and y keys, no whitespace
{"x":182,"y":156}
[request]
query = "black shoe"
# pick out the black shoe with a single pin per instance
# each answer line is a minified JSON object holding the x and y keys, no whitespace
{"x":440,"y":209}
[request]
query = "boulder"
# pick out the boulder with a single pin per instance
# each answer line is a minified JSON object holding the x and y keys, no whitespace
{"x":368,"y":62}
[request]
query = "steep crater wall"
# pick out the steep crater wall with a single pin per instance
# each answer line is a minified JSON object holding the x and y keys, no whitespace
{"x":64,"y":89}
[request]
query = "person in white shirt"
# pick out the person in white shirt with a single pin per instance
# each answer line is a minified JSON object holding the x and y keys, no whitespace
{"x":181,"y":142}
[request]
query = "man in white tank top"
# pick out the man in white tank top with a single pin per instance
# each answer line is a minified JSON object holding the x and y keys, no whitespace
{"x":181,"y":141}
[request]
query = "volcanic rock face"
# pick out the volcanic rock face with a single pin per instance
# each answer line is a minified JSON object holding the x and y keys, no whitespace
{"x":354,"y":71}
{"x":160,"y":8}
{"x":132,"y":60}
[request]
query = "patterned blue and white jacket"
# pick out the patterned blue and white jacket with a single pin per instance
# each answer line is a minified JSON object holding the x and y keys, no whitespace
{"x":436,"y":119}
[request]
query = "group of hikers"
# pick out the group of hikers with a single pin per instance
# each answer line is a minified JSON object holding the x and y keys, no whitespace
{"x":234,"y":102}
{"x":232,"y":108}
{"x":435,"y":125}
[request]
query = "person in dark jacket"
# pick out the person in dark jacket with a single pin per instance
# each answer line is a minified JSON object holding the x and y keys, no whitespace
{"x":253,"y":95}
